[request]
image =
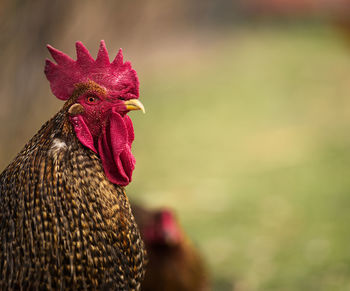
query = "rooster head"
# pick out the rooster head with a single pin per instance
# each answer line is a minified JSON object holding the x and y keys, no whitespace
{"x":100,"y":93}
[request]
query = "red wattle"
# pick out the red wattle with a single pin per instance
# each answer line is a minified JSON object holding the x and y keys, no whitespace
{"x":114,"y":148}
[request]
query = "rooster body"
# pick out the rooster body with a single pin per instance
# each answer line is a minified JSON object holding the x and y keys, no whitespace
{"x":63,"y":224}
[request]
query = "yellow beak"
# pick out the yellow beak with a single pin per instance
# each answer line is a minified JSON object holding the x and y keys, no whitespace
{"x":134,"y":104}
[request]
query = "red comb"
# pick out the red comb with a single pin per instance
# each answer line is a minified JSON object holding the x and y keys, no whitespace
{"x":118,"y":78}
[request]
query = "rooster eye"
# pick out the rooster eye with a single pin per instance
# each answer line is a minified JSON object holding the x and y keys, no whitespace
{"x":91,"y":99}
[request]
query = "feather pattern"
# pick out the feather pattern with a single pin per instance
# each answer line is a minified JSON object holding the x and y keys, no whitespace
{"x":63,"y":224}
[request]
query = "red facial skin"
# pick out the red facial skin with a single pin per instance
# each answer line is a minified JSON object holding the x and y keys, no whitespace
{"x":97,"y":107}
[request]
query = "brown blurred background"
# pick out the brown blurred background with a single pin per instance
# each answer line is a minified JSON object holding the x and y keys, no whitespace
{"x":247,"y":127}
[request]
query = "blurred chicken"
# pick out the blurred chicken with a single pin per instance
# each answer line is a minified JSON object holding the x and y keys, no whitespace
{"x":174,"y":263}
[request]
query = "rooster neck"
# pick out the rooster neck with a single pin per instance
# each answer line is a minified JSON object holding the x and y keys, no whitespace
{"x":62,"y":218}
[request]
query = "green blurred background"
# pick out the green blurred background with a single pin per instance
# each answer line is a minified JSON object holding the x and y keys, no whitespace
{"x":247,"y":128}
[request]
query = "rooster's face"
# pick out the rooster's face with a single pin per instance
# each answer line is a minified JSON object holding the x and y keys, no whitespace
{"x":96,"y":105}
{"x":101,"y":124}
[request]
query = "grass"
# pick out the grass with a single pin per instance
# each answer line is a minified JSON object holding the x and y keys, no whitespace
{"x":249,"y":141}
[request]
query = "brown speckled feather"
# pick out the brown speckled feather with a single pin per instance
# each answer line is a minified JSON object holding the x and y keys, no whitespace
{"x":63,"y":225}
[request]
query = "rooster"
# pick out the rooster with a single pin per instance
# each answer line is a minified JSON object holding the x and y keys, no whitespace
{"x":65,"y":220}
{"x":174,"y":263}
